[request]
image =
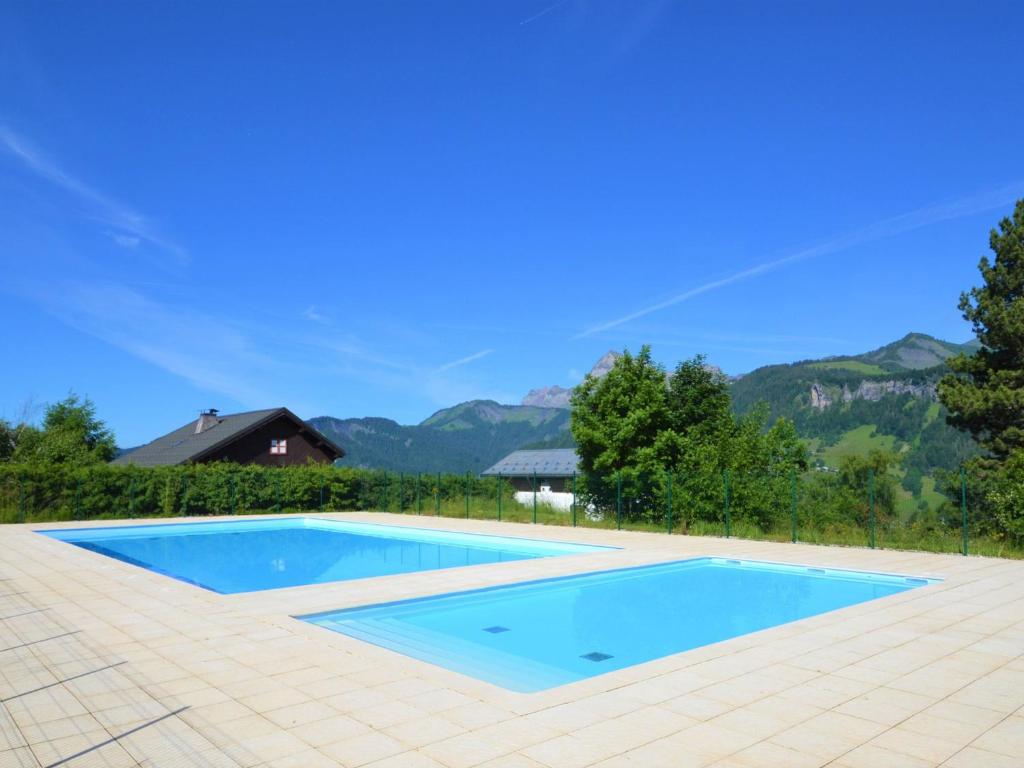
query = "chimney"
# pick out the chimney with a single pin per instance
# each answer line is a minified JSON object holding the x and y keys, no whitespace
{"x":207,"y":419}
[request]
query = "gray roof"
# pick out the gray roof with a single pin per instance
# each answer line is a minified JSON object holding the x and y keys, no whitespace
{"x":549,"y":462}
{"x":183,"y":444}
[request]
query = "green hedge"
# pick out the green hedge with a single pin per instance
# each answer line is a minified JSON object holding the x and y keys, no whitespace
{"x":58,"y":492}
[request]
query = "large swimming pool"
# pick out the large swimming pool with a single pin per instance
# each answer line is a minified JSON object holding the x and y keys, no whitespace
{"x":251,"y":555}
{"x":541,"y":634}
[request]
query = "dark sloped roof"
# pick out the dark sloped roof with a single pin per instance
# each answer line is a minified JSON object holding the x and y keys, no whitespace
{"x":550,"y":462}
{"x":183,"y":444}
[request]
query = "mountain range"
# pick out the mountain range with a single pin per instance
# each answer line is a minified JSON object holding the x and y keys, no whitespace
{"x":885,"y":398}
{"x":468,"y":437}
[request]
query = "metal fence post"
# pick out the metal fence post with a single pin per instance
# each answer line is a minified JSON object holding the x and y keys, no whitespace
{"x":669,"y":520}
{"x":534,"y":482}
{"x":963,"y":510}
{"x":21,"y":499}
{"x":728,"y":527}
{"x":467,"y":495}
{"x":499,"y":497}
{"x":871,"y":504}
{"x":573,"y":499}
{"x":792,"y":500}
{"x":618,"y":501}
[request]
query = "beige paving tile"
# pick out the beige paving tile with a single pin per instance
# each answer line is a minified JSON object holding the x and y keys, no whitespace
{"x":83,"y":751}
{"x":22,"y":757}
{"x":927,"y":748}
{"x":514,"y":761}
{"x":407,"y":760}
{"x":300,"y":714}
{"x":765,"y":753}
{"x":872,"y":756}
{"x":1004,"y":738}
{"x":566,"y":751}
{"x":307,"y":759}
{"x":319,"y":733}
{"x":387,"y":713}
{"x":972,"y":757}
{"x":887,"y":706}
{"x":365,"y":748}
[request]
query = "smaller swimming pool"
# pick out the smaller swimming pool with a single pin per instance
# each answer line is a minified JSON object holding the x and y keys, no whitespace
{"x":251,"y":555}
{"x":536,"y":635}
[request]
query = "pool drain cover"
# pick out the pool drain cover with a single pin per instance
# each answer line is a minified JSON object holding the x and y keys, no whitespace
{"x":496,"y":630}
{"x":596,"y":656}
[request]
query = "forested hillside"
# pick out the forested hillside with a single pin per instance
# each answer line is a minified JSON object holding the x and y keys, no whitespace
{"x":468,"y":437}
{"x":881,"y":399}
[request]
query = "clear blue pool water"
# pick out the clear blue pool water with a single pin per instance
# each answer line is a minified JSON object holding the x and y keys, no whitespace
{"x":541,"y":634}
{"x":251,"y":555}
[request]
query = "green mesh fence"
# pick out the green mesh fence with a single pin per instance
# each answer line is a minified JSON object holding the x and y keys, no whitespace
{"x":820,"y":506}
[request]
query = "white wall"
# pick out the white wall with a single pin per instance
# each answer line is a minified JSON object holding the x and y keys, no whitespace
{"x":560,"y":501}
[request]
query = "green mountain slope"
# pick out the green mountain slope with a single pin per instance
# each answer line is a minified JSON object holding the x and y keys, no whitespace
{"x":468,"y":437}
{"x":885,"y":398}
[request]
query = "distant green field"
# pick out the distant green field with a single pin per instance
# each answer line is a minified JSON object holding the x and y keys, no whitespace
{"x":849,"y":365}
{"x":929,"y":492}
{"x":857,"y":442}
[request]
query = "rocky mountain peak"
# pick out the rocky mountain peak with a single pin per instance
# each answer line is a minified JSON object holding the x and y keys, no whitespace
{"x":548,"y":397}
{"x":602,"y":366}
{"x":558,"y":397}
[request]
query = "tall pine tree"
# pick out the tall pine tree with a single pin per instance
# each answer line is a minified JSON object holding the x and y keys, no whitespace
{"x":985,"y":392}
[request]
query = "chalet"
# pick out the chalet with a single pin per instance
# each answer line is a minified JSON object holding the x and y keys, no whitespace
{"x":550,"y":468}
{"x":274,"y":437}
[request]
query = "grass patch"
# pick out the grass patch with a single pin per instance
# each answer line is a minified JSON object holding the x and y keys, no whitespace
{"x":857,"y":442}
{"x":849,"y":365}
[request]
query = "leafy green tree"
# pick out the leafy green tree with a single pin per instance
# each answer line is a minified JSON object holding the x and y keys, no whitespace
{"x":840,"y":500}
{"x":8,"y":439}
{"x":784,"y":450}
{"x":620,"y":423}
{"x":1005,"y":499}
{"x":985,"y":392}
{"x":639,"y":425}
{"x":71,"y":434}
{"x":698,"y":400}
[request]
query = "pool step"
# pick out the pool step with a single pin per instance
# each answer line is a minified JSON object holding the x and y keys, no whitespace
{"x":480,"y":661}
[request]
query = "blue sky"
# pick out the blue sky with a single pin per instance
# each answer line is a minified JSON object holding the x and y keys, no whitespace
{"x":386,"y":208}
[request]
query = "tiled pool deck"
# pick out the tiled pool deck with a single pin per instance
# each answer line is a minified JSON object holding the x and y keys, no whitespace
{"x":106,"y":664}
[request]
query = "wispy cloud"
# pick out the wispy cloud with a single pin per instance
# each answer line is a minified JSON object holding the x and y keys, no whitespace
{"x":543,"y":13}
{"x":130,"y":227}
{"x":125,"y":241}
{"x":879,"y":230}
{"x":463,"y":361}
{"x":314,"y":314}
{"x":202,"y":349}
